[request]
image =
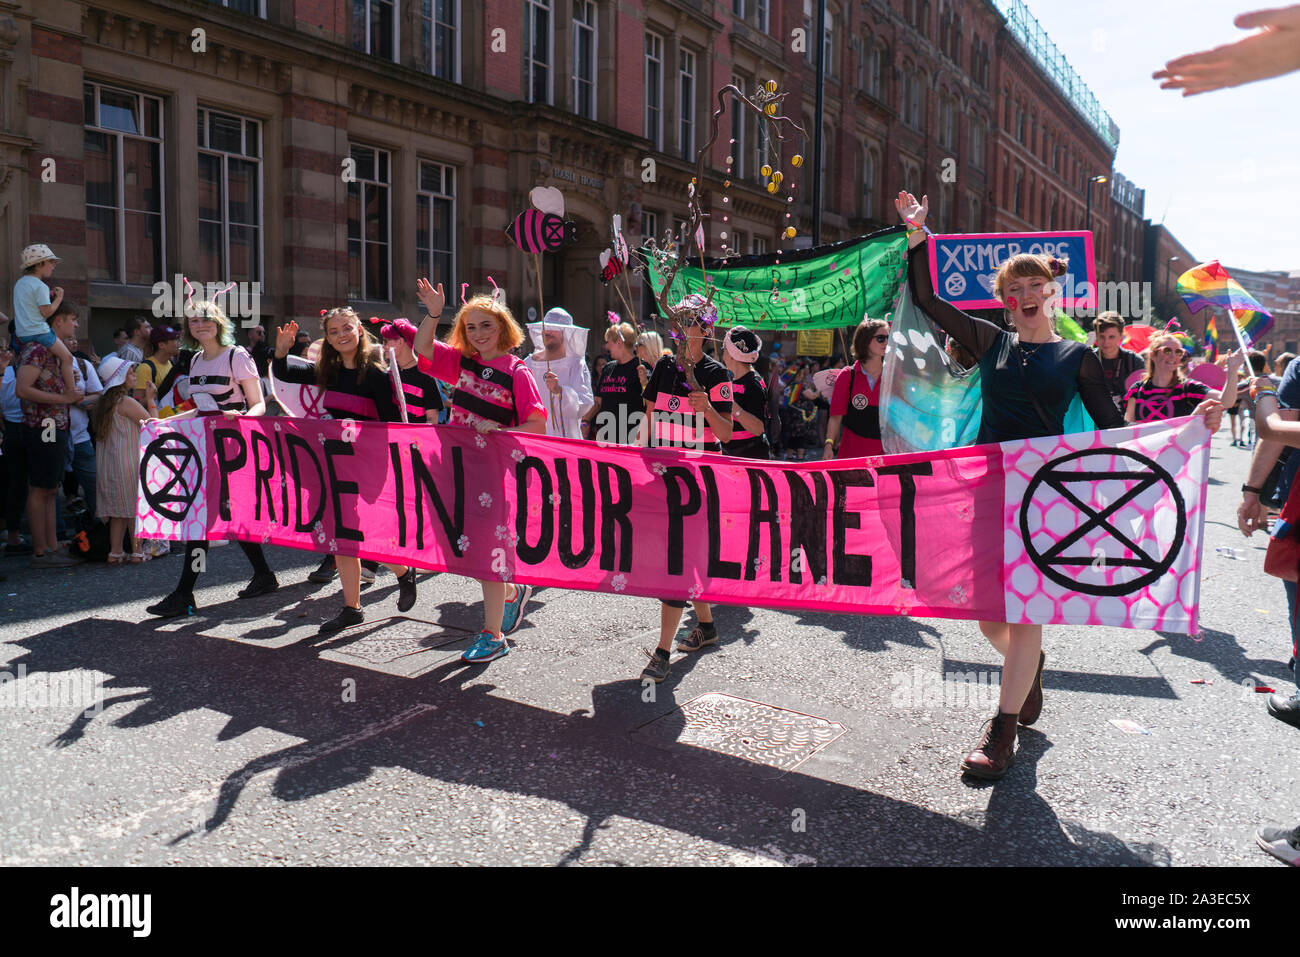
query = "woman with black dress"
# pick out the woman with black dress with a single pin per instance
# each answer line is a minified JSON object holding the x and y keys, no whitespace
{"x":1029,"y":377}
{"x":618,"y":410}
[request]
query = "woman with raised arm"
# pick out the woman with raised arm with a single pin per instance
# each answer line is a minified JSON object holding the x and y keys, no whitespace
{"x":351,"y":373}
{"x":1029,"y":377}
{"x":494,"y":391}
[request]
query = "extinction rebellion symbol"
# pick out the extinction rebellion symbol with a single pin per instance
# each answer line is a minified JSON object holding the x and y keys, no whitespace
{"x":1054,"y":486}
{"x":171,"y":475}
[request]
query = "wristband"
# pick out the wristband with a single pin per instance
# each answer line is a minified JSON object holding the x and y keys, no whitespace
{"x":1251,"y":489}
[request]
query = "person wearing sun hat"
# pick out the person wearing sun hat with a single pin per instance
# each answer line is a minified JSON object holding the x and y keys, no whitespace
{"x":115,"y":425}
{"x":560,"y":367}
{"x":35,"y":304}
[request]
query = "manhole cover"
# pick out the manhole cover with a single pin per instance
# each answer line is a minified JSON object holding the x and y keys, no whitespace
{"x":751,"y":730}
{"x":399,"y":637}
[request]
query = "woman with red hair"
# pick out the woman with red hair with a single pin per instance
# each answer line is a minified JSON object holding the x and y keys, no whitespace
{"x":1029,"y":377}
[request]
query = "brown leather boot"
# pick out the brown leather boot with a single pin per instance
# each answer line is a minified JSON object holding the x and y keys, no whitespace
{"x":1033,"y":706}
{"x":997,"y":749}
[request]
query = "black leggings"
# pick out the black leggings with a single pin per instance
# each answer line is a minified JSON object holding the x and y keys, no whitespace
{"x":189,"y":575}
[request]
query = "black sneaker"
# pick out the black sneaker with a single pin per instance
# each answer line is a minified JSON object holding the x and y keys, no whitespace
{"x":174,"y":606}
{"x":406,"y":590}
{"x":657,"y":669}
{"x":1285,"y":709}
{"x":1282,"y":842}
{"x":325,"y":572}
{"x":697,"y":639}
{"x":348,"y":617}
{"x":260,"y":585}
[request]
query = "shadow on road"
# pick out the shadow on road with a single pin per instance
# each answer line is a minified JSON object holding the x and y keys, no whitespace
{"x":450,"y":726}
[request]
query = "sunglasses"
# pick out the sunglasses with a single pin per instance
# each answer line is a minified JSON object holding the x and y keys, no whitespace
{"x":1168,"y":350}
{"x":881,"y":338}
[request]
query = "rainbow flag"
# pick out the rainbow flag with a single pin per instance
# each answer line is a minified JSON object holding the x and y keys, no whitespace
{"x":1210,"y":285}
{"x":1211,"y":340}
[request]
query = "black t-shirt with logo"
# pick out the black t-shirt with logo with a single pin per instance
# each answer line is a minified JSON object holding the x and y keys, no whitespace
{"x":675,"y":422}
{"x":619,"y":391}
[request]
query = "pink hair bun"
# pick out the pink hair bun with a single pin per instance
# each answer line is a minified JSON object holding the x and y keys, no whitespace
{"x":1058,"y":266}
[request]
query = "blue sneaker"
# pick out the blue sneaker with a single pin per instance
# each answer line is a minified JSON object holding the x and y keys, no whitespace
{"x":487,"y":648}
{"x":514,"y":613}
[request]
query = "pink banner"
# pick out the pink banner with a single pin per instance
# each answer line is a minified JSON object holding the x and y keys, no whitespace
{"x":926,"y":534}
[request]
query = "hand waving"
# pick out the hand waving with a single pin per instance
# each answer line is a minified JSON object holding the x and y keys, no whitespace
{"x":432,"y":296}
{"x":910,"y":211}
{"x":285,"y":337}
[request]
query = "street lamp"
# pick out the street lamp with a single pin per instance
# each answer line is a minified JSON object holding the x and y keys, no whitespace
{"x":1099,"y":180}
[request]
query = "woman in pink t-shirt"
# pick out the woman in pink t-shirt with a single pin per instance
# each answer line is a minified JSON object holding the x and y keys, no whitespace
{"x":494,"y":391}
{"x":855,"y":404}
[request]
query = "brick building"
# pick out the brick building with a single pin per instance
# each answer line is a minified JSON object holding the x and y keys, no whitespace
{"x":1052,"y":139}
{"x":336,"y":150}
{"x":1128,"y":206}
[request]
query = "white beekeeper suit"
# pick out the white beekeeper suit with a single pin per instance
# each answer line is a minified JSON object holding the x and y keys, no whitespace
{"x":576,"y":397}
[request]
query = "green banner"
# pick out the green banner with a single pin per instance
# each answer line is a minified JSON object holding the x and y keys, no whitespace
{"x":826,"y":287}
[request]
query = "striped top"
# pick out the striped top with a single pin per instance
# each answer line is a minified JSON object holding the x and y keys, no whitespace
{"x":1152,"y":404}
{"x":675,"y":423}
{"x":366,"y":398}
{"x":218,"y":380}
{"x":420,"y":390}
{"x":501,"y":390}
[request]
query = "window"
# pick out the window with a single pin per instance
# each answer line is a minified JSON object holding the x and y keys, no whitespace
{"x":256,"y":8}
{"x":869,"y":162}
{"x":914,"y":117}
{"x":754,"y":11}
{"x":439,"y":39}
{"x":369,"y":225}
{"x":374,"y":27}
{"x":649,"y":224}
{"x":808,"y":54}
{"x":945,"y":120}
{"x":125,"y":225}
{"x":230,"y":197}
{"x":435,"y":224}
{"x":828,"y":45}
{"x":907,"y":95}
{"x":654,"y":90}
{"x":686,"y":103}
{"x":977,"y":140}
{"x":738,"y":123}
{"x":537,"y":50}
{"x":860,"y":62}
{"x":1017,"y":193}
{"x":584,"y":59}
{"x":759,"y":248}
{"x":876,"y":81}
{"x":736,"y":242}
{"x":763,"y":144}
{"x":973,"y":223}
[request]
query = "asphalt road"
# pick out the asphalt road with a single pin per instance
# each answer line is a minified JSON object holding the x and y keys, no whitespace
{"x":230,"y":737}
